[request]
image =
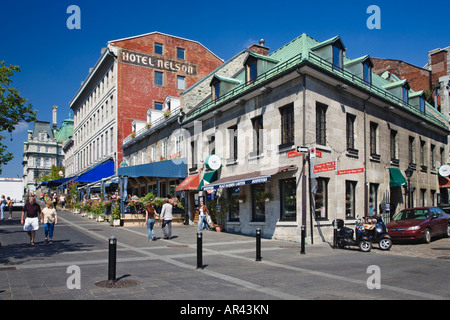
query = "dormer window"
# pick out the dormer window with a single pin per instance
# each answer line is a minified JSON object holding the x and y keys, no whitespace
{"x":405,"y":94}
{"x":215,"y":86}
{"x":337,"y":56}
{"x":251,"y":70}
{"x":422,"y":105}
{"x":367,"y":72}
{"x":220,"y":85}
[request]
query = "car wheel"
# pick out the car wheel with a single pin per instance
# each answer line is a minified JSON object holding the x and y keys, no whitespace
{"x":365,"y":246}
{"x":385,"y":244}
{"x":447,"y":231}
{"x":427,"y":236}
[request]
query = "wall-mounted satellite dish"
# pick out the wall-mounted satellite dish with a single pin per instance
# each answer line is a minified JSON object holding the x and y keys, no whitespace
{"x":444,"y":170}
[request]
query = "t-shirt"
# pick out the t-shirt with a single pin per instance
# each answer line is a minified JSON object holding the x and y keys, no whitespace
{"x":32,"y":210}
{"x":49,"y":215}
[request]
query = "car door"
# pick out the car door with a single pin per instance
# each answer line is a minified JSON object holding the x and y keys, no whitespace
{"x":436,"y":222}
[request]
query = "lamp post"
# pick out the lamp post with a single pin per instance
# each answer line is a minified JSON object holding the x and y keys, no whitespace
{"x":408,"y":173}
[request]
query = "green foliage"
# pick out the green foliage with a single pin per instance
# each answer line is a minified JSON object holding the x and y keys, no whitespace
{"x":13,"y":109}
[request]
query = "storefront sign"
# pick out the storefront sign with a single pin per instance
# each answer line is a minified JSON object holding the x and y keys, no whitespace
{"x":238,"y":183}
{"x":157,"y":62}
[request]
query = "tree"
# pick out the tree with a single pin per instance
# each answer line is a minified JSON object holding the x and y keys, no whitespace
{"x":13,"y":109}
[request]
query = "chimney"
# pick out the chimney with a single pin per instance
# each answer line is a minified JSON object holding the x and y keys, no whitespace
{"x":54,"y":120}
{"x":438,"y":65}
{"x":260,"y":48}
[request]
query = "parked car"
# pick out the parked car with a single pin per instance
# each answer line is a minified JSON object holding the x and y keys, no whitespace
{"x":445,"y":208}
{"x":420,"y":223}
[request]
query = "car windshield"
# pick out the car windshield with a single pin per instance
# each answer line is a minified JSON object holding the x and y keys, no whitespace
{"x":412,"y":214}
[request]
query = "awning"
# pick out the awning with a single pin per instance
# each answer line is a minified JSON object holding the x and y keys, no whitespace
{"x":97,"y":173}
{"x":255,"y":177}
{"x":175,"y":168}
{"x":189,"y":184}
{"x":396,"y":178}
{"x":444,"y":182}
{"x":58,"y":182}
{"x":208,"y":177}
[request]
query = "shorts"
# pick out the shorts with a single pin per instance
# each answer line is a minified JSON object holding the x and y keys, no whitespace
{"x":31,"y":224}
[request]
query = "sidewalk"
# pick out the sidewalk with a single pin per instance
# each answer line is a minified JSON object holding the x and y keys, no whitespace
{"x":167,"y":269}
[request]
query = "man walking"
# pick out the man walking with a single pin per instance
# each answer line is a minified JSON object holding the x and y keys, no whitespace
{"x":166,"y":216}
{"x":31,"y":222}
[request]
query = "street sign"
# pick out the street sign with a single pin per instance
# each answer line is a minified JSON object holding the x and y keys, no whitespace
{"x":328,"y":166}
{"x":349,"y":171}
{"x":294,"y":153}
{"x":302,"y":149}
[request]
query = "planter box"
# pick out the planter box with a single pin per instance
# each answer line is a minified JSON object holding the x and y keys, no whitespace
{"x":116,"y":223}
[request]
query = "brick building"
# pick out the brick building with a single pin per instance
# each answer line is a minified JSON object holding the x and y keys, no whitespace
{"x":130,"y":83}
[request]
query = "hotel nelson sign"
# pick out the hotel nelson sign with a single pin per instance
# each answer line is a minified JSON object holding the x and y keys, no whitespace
{"x":154,"y":62}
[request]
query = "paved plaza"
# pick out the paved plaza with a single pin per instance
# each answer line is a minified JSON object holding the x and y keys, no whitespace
{"x":75,"y":266}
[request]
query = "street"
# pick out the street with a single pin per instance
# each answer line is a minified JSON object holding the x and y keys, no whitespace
{"x":75,"y":267}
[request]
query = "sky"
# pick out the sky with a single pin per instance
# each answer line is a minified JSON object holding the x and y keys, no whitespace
{"x":55,"y":59}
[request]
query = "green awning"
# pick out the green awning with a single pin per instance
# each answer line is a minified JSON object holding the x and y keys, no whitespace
{"x":397,"y":179}
{"x":208,"y":177}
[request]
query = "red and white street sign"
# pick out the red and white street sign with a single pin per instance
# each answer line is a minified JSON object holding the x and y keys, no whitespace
{"x":294,"y":153}
{"x":328,"y":166}
{"x":349,"y":171}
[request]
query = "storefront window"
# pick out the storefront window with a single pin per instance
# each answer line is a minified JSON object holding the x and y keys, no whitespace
{"x":288,"y":200}
{"x":350,"y":187}
{"x":258,"y":202}
{"x":233,"y":196}
{"x":321,"y":199}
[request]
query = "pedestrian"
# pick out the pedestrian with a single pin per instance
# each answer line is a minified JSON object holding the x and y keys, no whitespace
{"x":166,"y":216}
{"x":55,"y":200}
{"x":42,"y":197}
{"x":150,"y":213}
{"x":203,"y":213}
{"x":2,"y":207}
{"x":62,"y":201}
{"x":49,"y":219}
{"x":9,"y":203}
{"x":31,"y":222}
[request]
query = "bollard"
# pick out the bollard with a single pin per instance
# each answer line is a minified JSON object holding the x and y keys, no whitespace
{"x":112,"y":259}
{"x":302,"y":247}
{"x":258,"y":244}
{"x":199,"y":250}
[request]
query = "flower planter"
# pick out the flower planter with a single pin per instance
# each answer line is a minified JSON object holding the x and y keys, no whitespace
{"x":100,"y":219}
{"x":116,"y":223}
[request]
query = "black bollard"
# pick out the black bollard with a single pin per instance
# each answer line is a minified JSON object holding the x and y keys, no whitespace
{"x":112,"y":259}
{"x":258,"y":244}
{"x":302,"y":247}
{"x":199,"y":250}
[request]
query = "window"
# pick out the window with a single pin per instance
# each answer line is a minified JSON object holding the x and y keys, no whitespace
{"x":144,"y":156}
{"x":367,"y":73}
{"x":258,"y":202}
{"x":212,"y":144}
{"x":233,"y":196}
{"x":405,"y":94}
{"x":233,"y":143}
{"x":337,"y":57}
{"x":216,"y":91}
{"x":257,"y":135}
{"x":181,"y":85}
{"x":193,"y":155}
{"x":373,"y":199}
{"x":432,"y":157}
{"x":423,"y":193}
{"x":158,"y":48}
{"x":251,"y":70}
{"x":164,"y":150}
{"x":321,"y":199}
{"x":373,"y":138}
{"x":321,"y":125}
{"x":158,"y":78}
{"x":411,"y":149}
{"x":287,"y":125}
{"x":393,"y":146}
{"x":288,"y":199}
{"x":153,"y":153}
{"x":350,"y":203}
{"x":180,"y":53}
{"x":350,"y":131}
{"x":422,"y":105}
{"x":422,"y":154}
{"x":159,"y":105}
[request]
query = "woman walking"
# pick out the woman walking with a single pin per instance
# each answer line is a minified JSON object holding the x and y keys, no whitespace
{"x":2,"y":207}
{"x":150,"y":213}
{"x":203,"y":212}
{"x":50,"y":218}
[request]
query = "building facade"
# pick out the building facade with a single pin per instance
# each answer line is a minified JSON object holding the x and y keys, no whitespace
{"x":357,"y":134}
{"x":43,"y":149}
{"x":130,"y":83}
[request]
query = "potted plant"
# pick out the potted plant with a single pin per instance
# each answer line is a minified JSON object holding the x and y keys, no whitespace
{"x":133,"y":134}
{"x":148,"y":125}
{"x":76,"y":207}
{"x":167,"y":114}
{"x":114,"y":218}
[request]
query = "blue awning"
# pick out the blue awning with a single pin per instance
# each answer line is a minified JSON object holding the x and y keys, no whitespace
{"x":97,"y":173}
{"x":175,"y":168}
{"x":58,"y":182}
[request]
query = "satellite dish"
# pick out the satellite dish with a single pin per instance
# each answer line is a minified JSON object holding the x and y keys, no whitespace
{"x":444,"y":170}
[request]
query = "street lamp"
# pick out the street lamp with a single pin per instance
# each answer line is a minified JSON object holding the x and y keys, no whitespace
{"x":408,"y":173}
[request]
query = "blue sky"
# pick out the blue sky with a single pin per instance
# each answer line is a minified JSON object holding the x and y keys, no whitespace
{"x":54,"y":60}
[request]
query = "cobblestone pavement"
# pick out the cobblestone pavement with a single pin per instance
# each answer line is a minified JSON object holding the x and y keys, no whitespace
{"x":167,"y":269}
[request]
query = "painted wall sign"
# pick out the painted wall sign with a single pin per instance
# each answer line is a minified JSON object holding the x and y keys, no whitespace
{"x":156,"y":62}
